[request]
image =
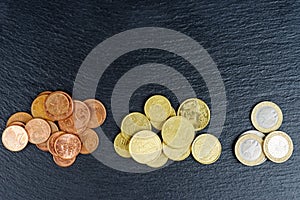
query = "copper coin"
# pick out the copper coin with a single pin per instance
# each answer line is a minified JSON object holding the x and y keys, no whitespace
{"x":98,"y":113}
{"x":58,"y":106}
{"x":15,"y":138}
{"x":51,"y":141}
{"x":38,"y":130}
{"x":19,"y":117}
{"x":90,"y":141}
{"x":67,"y":146}
{"x":45,"y":92}
{"x":43,"y":146}
{"x":17,"y":124}
{"x":38,"y":107}
{"x":63,"y":162}
{"x":78,"y":121}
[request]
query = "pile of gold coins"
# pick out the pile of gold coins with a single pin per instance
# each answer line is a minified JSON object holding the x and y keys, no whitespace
{"x":254,"y":148}
{"x":57,"y":124}
{"x":138,"y":140}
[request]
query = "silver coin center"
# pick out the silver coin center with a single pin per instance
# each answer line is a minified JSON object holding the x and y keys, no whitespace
{"x":250,"y":149}
{"x":267,"y":117}
{"x":278,"y":146}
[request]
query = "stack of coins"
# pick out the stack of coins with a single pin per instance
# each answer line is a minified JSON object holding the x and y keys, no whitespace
{"x":57,"y":124}
{"x":138,"y":140}
{"x":254,"y":148}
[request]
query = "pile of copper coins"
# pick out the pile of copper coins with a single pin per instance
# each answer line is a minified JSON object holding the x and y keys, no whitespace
{"x":138,"y":140}
{"x":254,"y":148}
{"x":57,"y":124}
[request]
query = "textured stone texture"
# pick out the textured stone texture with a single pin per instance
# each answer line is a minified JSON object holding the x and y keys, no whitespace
{"x":256,"y":47}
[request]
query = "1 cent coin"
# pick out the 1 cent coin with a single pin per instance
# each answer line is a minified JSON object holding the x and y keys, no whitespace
{"x":98,"y":113}
{"x":38,"y":130}
{"x":15,"y":138}
{"x":67,"y":146}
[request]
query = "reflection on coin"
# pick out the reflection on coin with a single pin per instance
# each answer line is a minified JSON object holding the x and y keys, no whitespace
{"x":196,"y":111}
{"x":259,"y":134}
{"x":157,"y":125}
{"x":77,"y":122}
{"x":14,"y":138}
{"x":90,"y":141}
{"x":133,"y":123}
{"x":176,"y":154}
{"x":38,"y":130}
{"x":145,"y":146}
{"x":178,"y":132}
{"x":121,"y":145}
{"x":206,"y":149}
{"x":158,"y":162}
{"x":38,"y":107}
{"x":278,"y":146}
{"x":98,"y":113}
{"x":17,"y":123}
{"x":173,"y":112}
{"x":19,"y":117}
{"x":63,"y":162}
{"x":51,"y":141}
{"x":157,"y":108}
{"x":248,"y":150}
{"x":266,"y":117}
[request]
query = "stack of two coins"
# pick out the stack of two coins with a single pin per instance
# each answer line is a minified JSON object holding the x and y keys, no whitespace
{"x":254,"y":148}
{"x":137,"y":140}
{"x":50,"y":109}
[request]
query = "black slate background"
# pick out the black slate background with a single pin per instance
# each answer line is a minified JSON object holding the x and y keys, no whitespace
{"x":256,"y":45}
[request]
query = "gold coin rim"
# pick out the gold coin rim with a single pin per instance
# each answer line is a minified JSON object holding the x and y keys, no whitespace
{"x":218,"y":152}
{"x":146,"y":105}
{"x":130,"y":114}
{"x":241,"y":139}
{"x":276,"y":108}
{"x":201,"y":102}
{"x":117,"y":149}
{"x":288,"y":139}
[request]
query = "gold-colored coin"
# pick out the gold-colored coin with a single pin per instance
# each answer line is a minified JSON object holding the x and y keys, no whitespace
{"x":248,"y":150}
{"x":19,"y":117}
{"x":121,"y":145}
{"x":158,"y":162}
{"x":278,"y":146}
{"x":173,"y":112}
{"x":266,"y":117}
{"x":157,"y":108}
{"x":206,"y":149}
{"x":196,"y":111}
{"x":38,"y":107}
{"x":145,"y":146}
{"x":176,"y":154}
{"x":178,"y":132}
{"x":133,"y":123}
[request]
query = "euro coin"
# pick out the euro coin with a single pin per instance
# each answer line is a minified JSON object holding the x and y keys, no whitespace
{"x":157,"y":125}
{"x":248,"y":150}
{"x":158,"y":162}
{"x":17,"y":124}
{"x":145,"y":146}
{"x":51,"y":142}
{"x":98,"y":113}
{"x":259,"y":134}
{"x":206,"y":149}
{"x":19,"y":117}
{"x":38,"y":107}
{"x":196,"y":111}
{"x":14,"y":138}
{"x":173,"y":112}
{"x":157,"y":108}
{"x":90,"y":141}
{"x":45,"y":92}
{"x":121,"y":146}
{"x":43,"y":146}
{"x":266,"y":117}
{"x":178,"y":132}
{"x":58,"y":105}
{"x":278,"y":146}
{"x":67,"y":146}
{"x":178,"y":154}
{"x":133,"y":123}
{"x":38,"y":130}
{"x":77,"y":122}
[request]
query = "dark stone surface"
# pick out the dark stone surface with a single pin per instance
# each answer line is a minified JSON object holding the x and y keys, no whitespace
{"x":255,"y":45}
